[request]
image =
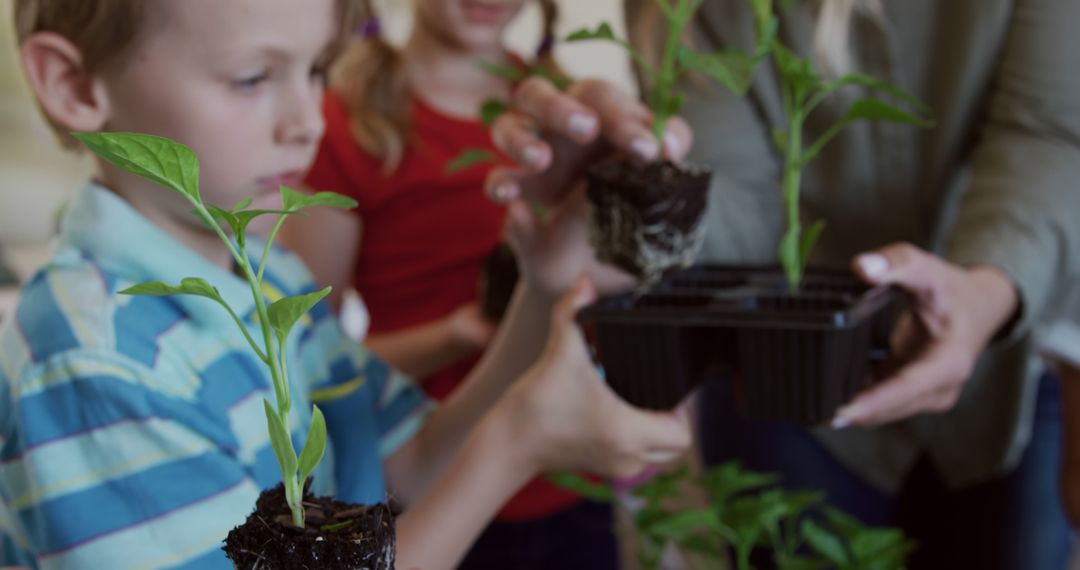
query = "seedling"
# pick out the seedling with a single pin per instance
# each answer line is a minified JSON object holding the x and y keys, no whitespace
{"x":803,"y":89}
{"x":731,"y":67}
{"x":746,"y":511}
{"x":175,"y":166}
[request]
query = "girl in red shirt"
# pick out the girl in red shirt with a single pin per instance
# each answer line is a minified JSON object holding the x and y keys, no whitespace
{"x":415,"y":246}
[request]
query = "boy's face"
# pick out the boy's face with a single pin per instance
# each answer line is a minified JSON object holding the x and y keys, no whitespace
{"x":238,"y":81}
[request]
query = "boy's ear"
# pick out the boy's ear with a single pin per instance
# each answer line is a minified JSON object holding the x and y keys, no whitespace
{"x":70,"y":95}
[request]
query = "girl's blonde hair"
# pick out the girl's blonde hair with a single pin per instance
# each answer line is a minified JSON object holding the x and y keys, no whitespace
{"x":106,"y":31}
{"x":371,"y":80}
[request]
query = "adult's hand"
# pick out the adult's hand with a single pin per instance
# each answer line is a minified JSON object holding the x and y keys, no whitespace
{"x":955,"y":313}
{"x":554,"y":137}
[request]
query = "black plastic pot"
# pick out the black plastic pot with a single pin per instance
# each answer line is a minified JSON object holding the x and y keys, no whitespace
{"x":337,"y":536}
{"x":795,"y":356}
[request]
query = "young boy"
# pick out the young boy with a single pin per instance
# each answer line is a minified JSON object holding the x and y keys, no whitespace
{"x":131,"y":434}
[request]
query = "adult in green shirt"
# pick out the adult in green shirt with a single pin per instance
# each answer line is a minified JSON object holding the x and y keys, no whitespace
{"x":978,"y":219}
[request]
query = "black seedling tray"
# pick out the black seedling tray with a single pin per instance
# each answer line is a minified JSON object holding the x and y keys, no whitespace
{"x":795,"y":356}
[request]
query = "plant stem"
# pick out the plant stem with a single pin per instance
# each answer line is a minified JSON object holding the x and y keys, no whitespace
{"x":665,"y":80}
{"x":273,"y":356}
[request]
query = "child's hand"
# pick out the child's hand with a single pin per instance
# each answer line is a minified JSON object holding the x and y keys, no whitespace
{"x":554,"y":136}
{"x":570,"y":420}
{"x":469,"y":329}
{"x":554,"y":252}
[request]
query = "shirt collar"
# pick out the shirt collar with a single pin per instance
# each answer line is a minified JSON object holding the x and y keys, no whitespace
{"x":126,"y":244}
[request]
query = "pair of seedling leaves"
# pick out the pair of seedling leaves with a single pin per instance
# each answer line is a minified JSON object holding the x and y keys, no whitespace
{"x":802,"y":87}
{"x":746,"y":511}
{"x":174,"y":166}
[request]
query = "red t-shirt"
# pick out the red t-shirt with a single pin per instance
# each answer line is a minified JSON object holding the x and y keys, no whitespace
{"x":426,"y":234}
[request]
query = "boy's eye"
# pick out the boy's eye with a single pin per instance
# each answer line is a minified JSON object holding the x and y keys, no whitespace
{"x":319,"y":72}
{"x":250,"y":82}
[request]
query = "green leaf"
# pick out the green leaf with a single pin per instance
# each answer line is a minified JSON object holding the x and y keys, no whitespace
{"x":229,"y":219}
{"x":876,"y":109}
{"x":284,"y":312}
{"x":873,"y":109}
{"x":731,"y":68}
{"x":680,"y":525}
{"x":560,"y":83}
{"x":315,"y":445}
{"x":468,"y":159}
{"x":766,"y":38}
{"x":729,"y":479}
{"x":293,"y":200}
{"x":809,"y":238}
{"x":491,"y":110}
{"x":507,"y":72}
{"x":875,"y":83}
{"x":238,"y":221}
{"x":242,"y":204}
{"x":188,"y":286}
{"x":797,"y":71}
{"x":574,"y":483}
{"x":158,"y":159}
{"x":281,"y":442}
{"x":802,"y":563}
{"x":602,"y":32}
{"x":846,"y":525}
{"x":824,"y":542}
{"x":663,"y":486}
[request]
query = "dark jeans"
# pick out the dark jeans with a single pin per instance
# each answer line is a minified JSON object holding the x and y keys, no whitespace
{"x":581,"y":538}
{"x":1012,"y":522}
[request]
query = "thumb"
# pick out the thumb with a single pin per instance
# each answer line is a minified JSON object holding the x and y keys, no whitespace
{"x":580,"y":295}
{"x":919,"y":273}
{"x":661,"y":436}
{"x":521,"y":227}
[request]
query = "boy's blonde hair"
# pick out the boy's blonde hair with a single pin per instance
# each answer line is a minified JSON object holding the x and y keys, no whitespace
{"x":105,"y":31}
{"x":371,"y":81}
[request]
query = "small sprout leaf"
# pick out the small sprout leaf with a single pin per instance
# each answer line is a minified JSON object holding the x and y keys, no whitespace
{"x":284,"y":313}
{"x":293,"y":200}
{"x":315,"y":445}
{"x":281,"y":442}
{"x":468,"y":159}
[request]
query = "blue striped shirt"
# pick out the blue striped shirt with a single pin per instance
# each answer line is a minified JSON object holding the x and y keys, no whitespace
{"x":132,"y":431}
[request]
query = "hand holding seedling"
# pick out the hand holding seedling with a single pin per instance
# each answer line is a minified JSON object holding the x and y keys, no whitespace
{"x":571,"y":420}
{"x":555,"y":135}
{"x":553,"y":250}
{"x":956,"y":312}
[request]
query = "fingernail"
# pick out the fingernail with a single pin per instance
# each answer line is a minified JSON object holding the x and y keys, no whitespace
{"x":535,"y":156}
{"x":505,"y":191}
{"x":672,"y":145}
{"x":645,"y":149}
{"x":873,"y":264}
{"x":581,"y":125}
{"x":841,"y":422}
